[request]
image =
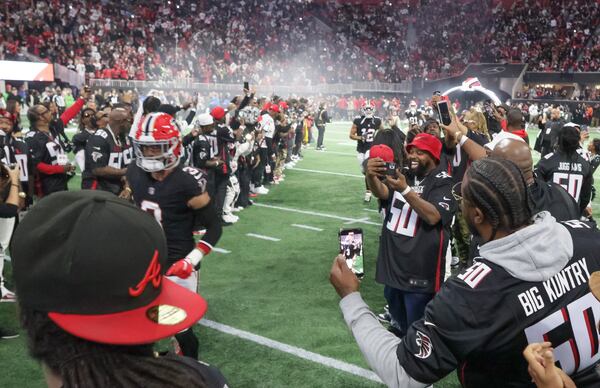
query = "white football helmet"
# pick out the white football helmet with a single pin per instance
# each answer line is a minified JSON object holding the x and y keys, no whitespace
{"x":157,"y":142}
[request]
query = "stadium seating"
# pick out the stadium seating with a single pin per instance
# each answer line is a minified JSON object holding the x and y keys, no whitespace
{"x":301,"y":42}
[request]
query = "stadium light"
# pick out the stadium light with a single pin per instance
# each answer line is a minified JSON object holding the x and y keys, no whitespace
{"x":472,"y":84}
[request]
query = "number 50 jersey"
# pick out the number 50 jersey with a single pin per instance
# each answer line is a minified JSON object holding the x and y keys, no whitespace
{"x":481,"y":320}
{"x":411,"y":252}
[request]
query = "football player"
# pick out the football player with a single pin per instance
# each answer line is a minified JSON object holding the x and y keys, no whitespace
{"x":107,"y":156}
{"x":363,"y":131}
{"x":178,"y":199}
{"x":414,"y":115}
{"x":567,"y":167}
{"x":530,"y":285}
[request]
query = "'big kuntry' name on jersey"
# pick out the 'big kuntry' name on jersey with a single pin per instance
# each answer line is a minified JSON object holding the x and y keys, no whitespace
{"x":557,"y":286}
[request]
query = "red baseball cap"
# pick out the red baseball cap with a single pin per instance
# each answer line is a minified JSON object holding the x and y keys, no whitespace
{"x":283,"y":105}
{"x":427,"y":142}
{"x":102,"y":280}
{"x":382,"y":151}
{"x":267,"y":106}
{"x":4,"y":114}
{"x":274,"y":108}
{"x":217,"y":113}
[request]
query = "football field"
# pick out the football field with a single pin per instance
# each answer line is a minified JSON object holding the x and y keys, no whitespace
{"x":273,"y":318}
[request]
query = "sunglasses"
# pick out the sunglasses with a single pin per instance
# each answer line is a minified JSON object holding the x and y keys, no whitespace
{"x":457,"y":191}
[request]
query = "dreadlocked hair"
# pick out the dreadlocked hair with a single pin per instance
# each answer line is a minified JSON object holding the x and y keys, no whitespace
{"x":498,"y":188}
{"x":81,"y":363}
{"x":568,"y":140}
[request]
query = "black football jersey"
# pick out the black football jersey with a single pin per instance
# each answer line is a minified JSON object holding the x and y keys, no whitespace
{"x":167,"y":200}
{"x":414,"y":117}
{"x":460,"y":159}
{"x":366,"y":127}
{"x":573,"y":173}
{"x":481,"y":320}
{"x":16,"y":151}
{"x":104,"y":149}
{"x":48,"y":149}
{"x":204,"y":148}
{"x":411,"y":252}
{"x":80,"y":139}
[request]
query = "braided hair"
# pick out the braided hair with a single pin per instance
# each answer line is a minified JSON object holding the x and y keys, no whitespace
{"x":81,"y":363}
{"x":498,"y":188}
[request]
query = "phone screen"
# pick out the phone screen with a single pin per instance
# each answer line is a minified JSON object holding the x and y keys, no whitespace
{"x":246,"y":85}
{"x":444,"y":112}
{"x":351,"y":246}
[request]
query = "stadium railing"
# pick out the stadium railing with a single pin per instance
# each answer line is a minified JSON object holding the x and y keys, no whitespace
{"x":187,"y":84}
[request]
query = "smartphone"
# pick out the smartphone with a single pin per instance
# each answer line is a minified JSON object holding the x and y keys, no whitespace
{"x":351,"y":246}
{"x":246,"y":85}
{"x":444,"y":112}
{"x":390,"y":170}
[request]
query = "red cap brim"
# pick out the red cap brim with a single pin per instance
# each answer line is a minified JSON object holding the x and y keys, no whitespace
{"x":175,"y":309}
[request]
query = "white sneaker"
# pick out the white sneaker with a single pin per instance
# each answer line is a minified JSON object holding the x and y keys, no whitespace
{"x":230,"y":218}
{"x":237,"y":209}
{"x":367,"y":196}
{"x":261,"y":190}
{"x":290,"y":165}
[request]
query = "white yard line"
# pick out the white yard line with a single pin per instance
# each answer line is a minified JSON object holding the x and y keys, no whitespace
{"x":293,"y":350}
{"x":328,"y":172}
{"x":221,"y":250}
{"x":260,"y":236}
{"x":318,"y":214}
{"x":332,"y":153}
{"x":307,"y":227}
{"x":357,"y":220}
{"x":371,"y":210}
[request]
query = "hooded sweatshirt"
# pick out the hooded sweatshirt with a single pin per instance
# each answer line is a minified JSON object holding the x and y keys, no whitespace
{"x":534,"y":254}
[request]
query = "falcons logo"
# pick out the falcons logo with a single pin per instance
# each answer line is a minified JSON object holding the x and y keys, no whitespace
{"x":424,"y":344}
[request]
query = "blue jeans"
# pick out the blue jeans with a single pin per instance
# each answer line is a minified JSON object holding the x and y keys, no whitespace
{"x":406,"y":307}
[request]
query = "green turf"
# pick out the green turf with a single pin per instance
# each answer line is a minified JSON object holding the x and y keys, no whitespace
{"x":279,"y":290}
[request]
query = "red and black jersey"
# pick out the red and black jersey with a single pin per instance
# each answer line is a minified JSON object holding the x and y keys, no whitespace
{"x":481,"y":320}
{"x":168,"y":200}
{"x":411,"y":252}
{"x":366,"y":128}
{"x":48,"y":156}
{"x":104,"y":149}
{"x":572,"y":172}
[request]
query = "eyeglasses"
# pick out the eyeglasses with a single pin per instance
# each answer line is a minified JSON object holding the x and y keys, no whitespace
{"x":457,"y":191}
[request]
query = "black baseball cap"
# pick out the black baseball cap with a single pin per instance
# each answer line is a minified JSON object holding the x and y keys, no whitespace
{"x":95,"y":264}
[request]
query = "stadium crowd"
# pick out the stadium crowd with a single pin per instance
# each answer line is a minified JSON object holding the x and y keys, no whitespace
{"x":140,"y":41}
{"x":217,"y":158}
{"x":456,"y":186}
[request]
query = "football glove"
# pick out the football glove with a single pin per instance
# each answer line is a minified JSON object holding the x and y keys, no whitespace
{"x":184,"y":267}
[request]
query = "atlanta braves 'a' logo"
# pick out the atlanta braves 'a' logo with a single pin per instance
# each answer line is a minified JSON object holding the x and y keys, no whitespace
{"x":152,"y":275}
{"x":424,"y":344}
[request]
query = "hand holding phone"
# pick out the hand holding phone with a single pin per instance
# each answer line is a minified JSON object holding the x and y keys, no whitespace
{"x":444,"y":112}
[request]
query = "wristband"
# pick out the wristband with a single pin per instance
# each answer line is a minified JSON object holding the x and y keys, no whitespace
{"x":463,"y":140}
{"x":195,"y":257}
{"x":406,"y":191}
